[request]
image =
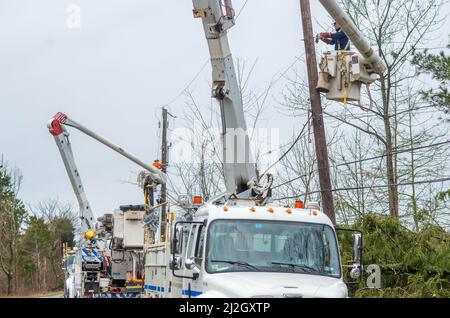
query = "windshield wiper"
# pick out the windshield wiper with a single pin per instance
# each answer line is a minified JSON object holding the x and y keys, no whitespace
{"x":238,"y":263}
{"x":302,"y":266}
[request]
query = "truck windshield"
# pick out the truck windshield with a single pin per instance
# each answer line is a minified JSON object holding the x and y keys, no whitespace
{"x":270,"y":246}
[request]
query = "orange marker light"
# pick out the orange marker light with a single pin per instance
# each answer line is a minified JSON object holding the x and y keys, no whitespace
{"x":299,"y":205}
{"x":225,"y":208}
{"x":253,"y":209}
{"x":158,"y":165}
{"x":198,"y":200}
{"x":288,"y":211}
{"x":270,"y":210}
{"x":315,"y":212}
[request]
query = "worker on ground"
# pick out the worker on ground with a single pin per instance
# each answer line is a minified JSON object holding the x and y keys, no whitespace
{"x":339,"y":39}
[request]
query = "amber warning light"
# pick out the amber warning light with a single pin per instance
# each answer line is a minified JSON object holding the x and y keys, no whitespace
{"x":198,"y":200}
{"x":299,"y":205}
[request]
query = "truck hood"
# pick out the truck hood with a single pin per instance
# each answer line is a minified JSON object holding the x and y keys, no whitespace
{"x":276,"y":285}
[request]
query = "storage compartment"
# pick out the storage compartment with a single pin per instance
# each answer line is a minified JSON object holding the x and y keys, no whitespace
{"x":133,"y":230}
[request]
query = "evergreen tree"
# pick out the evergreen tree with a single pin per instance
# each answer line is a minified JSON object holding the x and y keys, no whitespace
{"x":439,"y":67}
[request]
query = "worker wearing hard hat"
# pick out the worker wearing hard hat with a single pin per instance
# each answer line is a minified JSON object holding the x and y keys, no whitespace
{"x":339,"y":39}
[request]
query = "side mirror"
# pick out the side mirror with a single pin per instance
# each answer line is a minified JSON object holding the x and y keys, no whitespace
{"x":357,"y":247}
{"x":175,"y":263}
{"x":190,"y":263}
{"x":355,"y":272}
{"x":356,"y":264}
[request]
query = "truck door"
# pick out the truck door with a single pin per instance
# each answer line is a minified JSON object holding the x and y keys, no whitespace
{"x":194,"y":254}
{"x":178,"y":249}
{"x":197,"y":285}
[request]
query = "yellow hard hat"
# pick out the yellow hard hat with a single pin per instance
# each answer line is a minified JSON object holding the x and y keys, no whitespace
{"x":89,"y":235}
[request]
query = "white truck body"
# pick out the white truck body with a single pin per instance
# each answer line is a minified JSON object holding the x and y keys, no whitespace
{"x":242,"y":281}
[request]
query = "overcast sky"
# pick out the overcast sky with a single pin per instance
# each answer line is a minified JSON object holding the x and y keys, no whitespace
{"x":129,"y":58}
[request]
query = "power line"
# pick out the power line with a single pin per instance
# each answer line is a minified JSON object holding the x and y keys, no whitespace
{"x":203,"y":66}
{"x":369,"y":187}
{"x":240,"y":11}
{"x":433,"y":48}
{"x":367,"y":159}
{"x":189,"y":84}
{"x":290,"y":148}
{"x":289,"y":181}
{"x":364,"y":116}
{"x":394,"y":153}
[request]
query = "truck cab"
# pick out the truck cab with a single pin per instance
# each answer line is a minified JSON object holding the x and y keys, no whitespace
{"x":240,"y":250}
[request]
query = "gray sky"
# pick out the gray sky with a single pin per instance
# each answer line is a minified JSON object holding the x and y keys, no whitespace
{"x":129,"y":58}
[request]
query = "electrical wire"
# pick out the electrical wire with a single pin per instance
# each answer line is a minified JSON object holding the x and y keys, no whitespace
{"x":189,"y":84}
{"x":368,"y":187}
{"x":289,"y":150}
{"x":240,"y":11}
{"x":394,"y":153}
{"x":289,"y":181}
{"x":203,"y":66}
{"x":368,"y":159}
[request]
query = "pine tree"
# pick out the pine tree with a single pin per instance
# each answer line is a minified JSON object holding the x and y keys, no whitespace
{"x":439,"y":67}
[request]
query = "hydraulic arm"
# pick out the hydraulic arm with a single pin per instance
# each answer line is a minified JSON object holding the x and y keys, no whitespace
{"x":218,"y":17}
{"x":57,"y":127}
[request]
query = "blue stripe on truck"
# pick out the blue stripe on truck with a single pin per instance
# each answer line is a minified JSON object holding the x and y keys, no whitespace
{"x":185,"y":292}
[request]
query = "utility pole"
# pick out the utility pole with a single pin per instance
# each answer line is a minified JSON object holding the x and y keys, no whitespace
{"x":317,"y":113}
{"x":164,"y":159}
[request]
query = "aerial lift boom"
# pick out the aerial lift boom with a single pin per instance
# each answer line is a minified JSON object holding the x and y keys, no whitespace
{"x":61,"y":136}
{"x":218,"y":17}
{"x":57,"y":128}
{"x":205,"y":260}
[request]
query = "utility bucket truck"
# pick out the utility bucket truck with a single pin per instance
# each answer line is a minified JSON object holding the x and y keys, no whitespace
{"x":107,"y":261}
{"x":242,"y":244}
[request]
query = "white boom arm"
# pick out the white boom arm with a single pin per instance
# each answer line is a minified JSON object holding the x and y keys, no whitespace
{"x":61,"y":136}
{"x":57,"y":128}
{"x":357,"y":38}
{"x":218,"y":17}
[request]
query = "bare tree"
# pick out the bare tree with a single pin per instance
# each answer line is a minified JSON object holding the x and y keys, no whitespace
{"x":12,"y":217}
{"x":203,"y":173}
{"x":59,"y":221}
{"x":396,"y":28}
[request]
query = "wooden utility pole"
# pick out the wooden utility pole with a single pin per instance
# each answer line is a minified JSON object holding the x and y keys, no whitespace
{"x":164,"y":161}
{"x":317,"y":113}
